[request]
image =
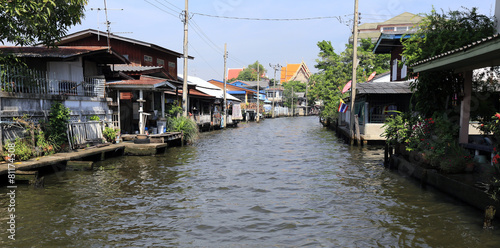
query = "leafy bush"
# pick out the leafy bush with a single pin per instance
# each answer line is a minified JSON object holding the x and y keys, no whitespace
{"x":110,"y":134}
{"x":58,"y":124}
{"x":394,"y":130}
{"x":435,"y":138}
{"x":22,"y":149}
{"x":186,"y":125}
{"x":174,"y":109}
{"x":94,"y":118}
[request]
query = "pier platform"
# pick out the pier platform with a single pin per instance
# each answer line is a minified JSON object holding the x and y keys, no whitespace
{"x":97,"y":153}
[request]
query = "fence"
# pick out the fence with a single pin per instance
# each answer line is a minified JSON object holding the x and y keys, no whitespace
{"x":81,"y":133}
{"x":24,"y":80}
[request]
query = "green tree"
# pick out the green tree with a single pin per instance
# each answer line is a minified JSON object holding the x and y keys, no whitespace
{"x":438,"y":33}
{"x":296,"y":85}
{"x":335,"y":70}
{"x":25,"y":22}
{"x":250,"y":73}
{"x":290,"y":90}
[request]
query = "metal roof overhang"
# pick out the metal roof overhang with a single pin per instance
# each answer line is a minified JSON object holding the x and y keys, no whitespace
{"x":387,"y":42}
{"x":162,"y":86}
{"x":480,"y":56}
{"x":106,"y":57}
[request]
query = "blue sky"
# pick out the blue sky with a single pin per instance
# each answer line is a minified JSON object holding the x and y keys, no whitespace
{"x":158,"y":22}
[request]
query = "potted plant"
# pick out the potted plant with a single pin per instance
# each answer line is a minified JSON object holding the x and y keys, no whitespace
{"x":110,"y":134}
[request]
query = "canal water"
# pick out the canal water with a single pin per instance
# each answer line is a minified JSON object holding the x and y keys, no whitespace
{"x":284,"y":182}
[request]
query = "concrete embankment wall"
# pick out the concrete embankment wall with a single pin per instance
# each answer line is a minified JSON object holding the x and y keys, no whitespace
{"x":459,"y":186}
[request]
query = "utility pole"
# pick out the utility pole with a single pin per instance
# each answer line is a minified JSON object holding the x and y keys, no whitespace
{"x":258,"y":94}
{"x":225,"y":100}
{"x":354,"y":67}
{"x":185,"y":74}
{"x":275,"y":67}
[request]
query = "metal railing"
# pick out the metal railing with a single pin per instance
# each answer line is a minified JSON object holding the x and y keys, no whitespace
{"x":25,"y":80}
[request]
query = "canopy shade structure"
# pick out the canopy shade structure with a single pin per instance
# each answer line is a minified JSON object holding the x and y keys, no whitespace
{"x":479,"y":54}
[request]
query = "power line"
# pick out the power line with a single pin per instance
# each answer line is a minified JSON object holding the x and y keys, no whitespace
{"x":197,"y":27}
{"x":198,"y":30}
{"x":339,"y":18}
{"x":173,"y":5}
{"x":161,"y":9}
{"x":209,"y":65}
{"x":166,"y":6}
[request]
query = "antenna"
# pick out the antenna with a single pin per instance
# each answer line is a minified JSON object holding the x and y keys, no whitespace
{"x":108,"y":31}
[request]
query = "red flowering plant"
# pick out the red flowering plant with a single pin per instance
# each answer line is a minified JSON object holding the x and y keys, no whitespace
{"x":492,"y":128}
{"x":433,"y":138}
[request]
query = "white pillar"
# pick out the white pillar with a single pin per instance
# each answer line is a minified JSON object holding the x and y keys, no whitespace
{"x":465,"y":108}
{"x":119,"y":115}
{"x":141,"y":109}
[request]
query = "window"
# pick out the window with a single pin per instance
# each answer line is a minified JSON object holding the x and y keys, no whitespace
{"x":171,"y":64}
{"x":404,"y":70}
{"x":160,"y":62}
{"x":148,"y":58}
{"x":385,"y":29}
{"x":125,"y":56}
{"x":395,"y":70}
{"x":402,"y":28}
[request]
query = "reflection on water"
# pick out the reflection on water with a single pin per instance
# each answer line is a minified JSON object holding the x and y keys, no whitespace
{"x":283,"y":182}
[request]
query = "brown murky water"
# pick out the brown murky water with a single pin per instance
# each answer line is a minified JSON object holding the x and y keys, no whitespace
{"x":284,"y":182}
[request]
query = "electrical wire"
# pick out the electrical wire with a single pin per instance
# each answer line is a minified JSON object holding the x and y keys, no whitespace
{"x":209,"y":65}
{"x":161,"y":9}
{"x":198,"y":30}
{"x":166,"y":6}
{"x":173,"y":5}
{"x":271,"y":19}
{"x":202,"y":34}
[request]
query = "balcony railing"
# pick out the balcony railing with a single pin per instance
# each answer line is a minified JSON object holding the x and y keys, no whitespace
{"x":24,"y":80}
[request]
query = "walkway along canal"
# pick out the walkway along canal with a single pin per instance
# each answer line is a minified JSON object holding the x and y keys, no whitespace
{"x":284,"y":182}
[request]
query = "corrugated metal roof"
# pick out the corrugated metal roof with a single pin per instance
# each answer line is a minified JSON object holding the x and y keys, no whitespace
{"x":134,"y":68}
{"x":144,"y":80}
{"x":192,"y":92}
{"x":208,"y":88}
{"x":460,"y":49}
{"x":233,"y":72}
{"x":99,"y":53}
{"x":384,"y":88}
{"x":90,"y":32}
{"x":44,"y":52}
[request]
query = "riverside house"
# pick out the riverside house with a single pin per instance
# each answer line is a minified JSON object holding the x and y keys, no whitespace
{"x":138,"y":89}
{"x":71,"y":75}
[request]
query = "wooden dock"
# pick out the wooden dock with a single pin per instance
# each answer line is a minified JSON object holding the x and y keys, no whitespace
{"x":156,"y":138}
{"x":98,"y":153}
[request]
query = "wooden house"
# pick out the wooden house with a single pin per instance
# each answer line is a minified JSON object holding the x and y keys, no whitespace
{"x":380,"y":97}
{"x":139,"y":53}
{"x":71,"y":75}
{"x":154,"y":69}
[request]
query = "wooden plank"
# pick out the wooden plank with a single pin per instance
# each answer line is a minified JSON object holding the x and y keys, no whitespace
{"x":79,"y":165}
{"x":26,"y":175}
